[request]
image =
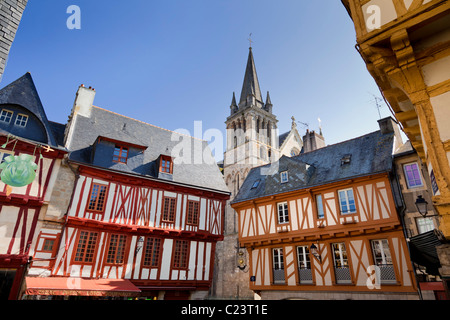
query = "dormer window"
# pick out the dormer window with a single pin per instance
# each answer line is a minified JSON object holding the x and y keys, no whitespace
{"x":346,"y":159}
{"x":256,"y":184}
{"x":166,"y":164}
{"x":120,"y":154}
{"x":21,"y":120}
{"x":284,"y":177}
{"x":6,"y":115}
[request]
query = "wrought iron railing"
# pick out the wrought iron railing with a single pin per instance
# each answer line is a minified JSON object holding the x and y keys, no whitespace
{"x":305,"y":275}
{"x":278,"y":276}
{"x":342,"y":275}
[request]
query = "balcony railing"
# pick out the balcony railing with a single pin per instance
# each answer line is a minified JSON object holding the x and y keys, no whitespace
{"x":343,"y":275}
{"x":278,"y":276}
{"x":305,"y":276}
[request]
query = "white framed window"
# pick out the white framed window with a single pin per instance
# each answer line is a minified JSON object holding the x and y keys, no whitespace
{"x":412,"y":175}
{"x":278,"y":265}
{"x":6,"y":116}
{"x":424,"y":225}
{"x":284,"y":177}
{"x":383,"y":260}
{"x":347,"y":201}
{"x":283,"y":213}
{"x":319,"y":205}
{"x":303,"y":257}
{"x":21,"y":120}
{"x":341,"y":266}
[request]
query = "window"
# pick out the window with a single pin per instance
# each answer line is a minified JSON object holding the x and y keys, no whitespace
{"x":383,"y":260}
{"x":180,"y":259}
{"x":116,"y":250}
{"x":278,"y":266}
{"x":4,"y":154}
{"x":319,"y":205}
{"x":21,"y":120}
{"x":341,"y":267}
{"x":166,"y":164}
{"x":424,"y":225}
{"x":347,"y":201}
{"x":48,"y":245}
{"x":169,"y":209}
{"x":152,"y":252}
{"x":97,"y":198}
{"x":304,"y":264}
{"x":283,"y":213}
{"x":6,"y":116}
{"x":412,"y":175}
{"x":120,"y":154}
{"x":256,"y":184}
{"x":193,"y":212}
{"x":85,"y":249}
{"x":284,"y":177}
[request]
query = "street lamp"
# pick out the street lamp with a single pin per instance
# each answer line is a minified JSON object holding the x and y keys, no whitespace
{"x":421,"y":205}
{"x":315,"y":252}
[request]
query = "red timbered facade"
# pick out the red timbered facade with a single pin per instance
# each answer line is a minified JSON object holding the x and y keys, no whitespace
{"x":24,"y":130}
{"x":137,"y":218}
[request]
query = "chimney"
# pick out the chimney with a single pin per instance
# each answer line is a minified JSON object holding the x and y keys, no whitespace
{"x":83,"y":101}
{"x":389,"y":125}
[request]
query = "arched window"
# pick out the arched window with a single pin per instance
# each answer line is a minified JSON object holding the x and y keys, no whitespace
{"x":235,"y":142}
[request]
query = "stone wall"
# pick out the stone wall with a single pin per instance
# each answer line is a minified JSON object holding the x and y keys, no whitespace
{"x":10,"y":15}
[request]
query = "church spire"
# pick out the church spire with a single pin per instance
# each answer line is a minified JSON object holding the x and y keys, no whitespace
{"x":251,"y":84}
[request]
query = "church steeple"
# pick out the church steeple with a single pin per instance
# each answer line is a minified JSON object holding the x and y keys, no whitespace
{"x":250,"y":89}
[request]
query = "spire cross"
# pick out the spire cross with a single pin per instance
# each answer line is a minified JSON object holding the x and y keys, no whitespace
{"x":250,"y":40}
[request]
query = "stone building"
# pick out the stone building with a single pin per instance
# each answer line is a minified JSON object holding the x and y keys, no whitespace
{"x":10,"y":15}
{"x":252,"y":140}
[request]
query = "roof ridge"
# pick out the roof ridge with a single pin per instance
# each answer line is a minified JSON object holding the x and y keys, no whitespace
{"x":146,"y":123}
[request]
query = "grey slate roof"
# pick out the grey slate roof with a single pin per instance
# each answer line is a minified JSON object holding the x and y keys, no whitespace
{"x":370,"y":154}
{"x":143,"y":162}
{"x":23,"y":92}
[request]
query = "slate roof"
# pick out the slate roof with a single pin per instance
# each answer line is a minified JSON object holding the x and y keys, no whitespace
{"x":158,"y":141}
{"x":23,"y":92}
{"x":369,"y":154}
{"x":251,"y":83}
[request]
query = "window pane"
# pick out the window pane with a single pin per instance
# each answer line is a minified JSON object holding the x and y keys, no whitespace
{"x":320,"y":213}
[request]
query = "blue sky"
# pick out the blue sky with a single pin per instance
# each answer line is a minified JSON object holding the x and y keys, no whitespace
{"x":173,"y":62}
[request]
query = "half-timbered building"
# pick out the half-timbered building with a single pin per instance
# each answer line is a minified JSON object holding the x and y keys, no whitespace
{"x":25,"y":133}
{"x":145,"y":212}
{"x":324,"y":224}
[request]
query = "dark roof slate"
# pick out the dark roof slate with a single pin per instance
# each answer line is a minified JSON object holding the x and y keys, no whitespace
{"x":23,"y":92}
{"x":158,"y":140}
{"x":369,"y":154}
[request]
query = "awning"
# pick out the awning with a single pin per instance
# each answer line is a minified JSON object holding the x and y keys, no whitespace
{"x":423,"y":250}
{"x":80,"y":287}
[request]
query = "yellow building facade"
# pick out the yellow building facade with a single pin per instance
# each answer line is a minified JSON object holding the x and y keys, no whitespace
{"x":406,"y":47}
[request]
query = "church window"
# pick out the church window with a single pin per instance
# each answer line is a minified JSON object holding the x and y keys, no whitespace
{"x":284,"y":177}
{"x":235,"y":142}
{"x":120,"y":154}
{"x":257,"y":126}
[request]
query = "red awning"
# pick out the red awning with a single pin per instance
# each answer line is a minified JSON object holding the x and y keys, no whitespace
{"x":80,"y":287}
{"x":434,"y":286}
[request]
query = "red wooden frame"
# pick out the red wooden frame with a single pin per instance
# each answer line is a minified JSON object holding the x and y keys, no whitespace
{"x":122,"y":156}
{"x":192,"y":213}
{"x":180,"y":259}
{"x":98,"y":197}
{"x":166,"y":164}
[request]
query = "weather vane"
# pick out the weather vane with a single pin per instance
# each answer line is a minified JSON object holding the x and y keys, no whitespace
{"x":250,"y":40}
